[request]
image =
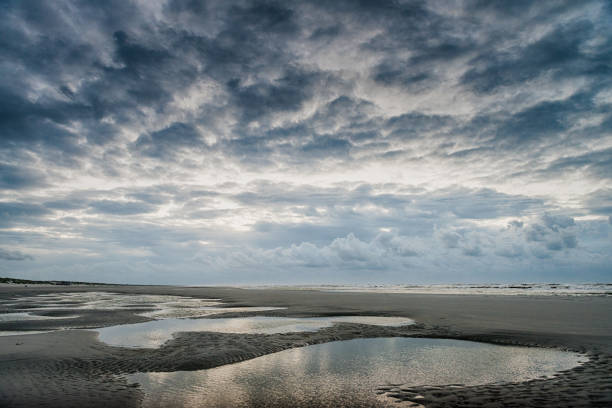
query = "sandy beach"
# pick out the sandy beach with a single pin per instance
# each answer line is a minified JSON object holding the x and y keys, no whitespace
{"x":73,"y":368}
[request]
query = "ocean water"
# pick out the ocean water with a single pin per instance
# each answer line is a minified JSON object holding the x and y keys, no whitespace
{"x":348,"y":373}
{"x":517,"y":289}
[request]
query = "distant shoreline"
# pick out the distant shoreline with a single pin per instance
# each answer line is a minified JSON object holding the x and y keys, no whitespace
{"x":17,"y":281}
{"x":528,"y":289}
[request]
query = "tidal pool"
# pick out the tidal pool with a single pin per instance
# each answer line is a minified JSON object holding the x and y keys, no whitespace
{"x":347,"y":373}
{"x":107,"y":301}
{"x":194,"y":312}
{"x":154,"y":333}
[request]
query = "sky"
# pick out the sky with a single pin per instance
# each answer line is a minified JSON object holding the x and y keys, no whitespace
{"x":306,"y":142}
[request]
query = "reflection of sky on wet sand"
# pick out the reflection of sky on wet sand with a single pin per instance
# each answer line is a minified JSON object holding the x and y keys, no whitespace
{"x":21,"y":333}
{"x":184,"y":312}
{"x":107,"y":301}
{"x":15,"y":317}
{"x":162,"y":306}
{"x":156,"y":332}
{"x":347,"y":373}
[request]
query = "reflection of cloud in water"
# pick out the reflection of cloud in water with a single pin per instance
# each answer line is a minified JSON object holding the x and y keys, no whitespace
{"x":156,"y":332}
{"x":182,"y":312}
{"x":158,"y":306}
{"x":22,"y":333}
{"x":108,"y":301}
{"x":347,"y":373}
{"x":21,"y":316}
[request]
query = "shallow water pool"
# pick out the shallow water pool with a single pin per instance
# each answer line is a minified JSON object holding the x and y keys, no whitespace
{"x":154,"y":333}
{"x":347,"y":373}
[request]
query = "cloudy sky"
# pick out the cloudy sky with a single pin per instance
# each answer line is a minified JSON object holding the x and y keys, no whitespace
{"x":234,"y":142}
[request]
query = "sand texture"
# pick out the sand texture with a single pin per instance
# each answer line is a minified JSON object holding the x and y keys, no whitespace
{"x":71,"y":368}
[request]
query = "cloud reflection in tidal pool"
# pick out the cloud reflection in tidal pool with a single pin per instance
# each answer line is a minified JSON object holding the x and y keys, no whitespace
{"x":155,"y":333}
{"x":347,"y":373}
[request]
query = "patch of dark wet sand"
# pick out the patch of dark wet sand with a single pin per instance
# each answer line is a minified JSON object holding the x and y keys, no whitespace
{"x":56,"y":312}
{"x":139,"y":306}
{"x":26,"y":306}
{"x":87,"y":319}
{"x":60,"y":369}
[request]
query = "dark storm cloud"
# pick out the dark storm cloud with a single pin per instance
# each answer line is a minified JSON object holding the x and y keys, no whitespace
{"x":112,"y":207}
{"x":163,"y":143}
{"x":20,"y":209}
{"x":38,"y":43}
{"x":410,"y":25}
{"x":473,"y":251}
{"x":450,"y":239}
{"x":138,"y":235}
{"x":287,"y":93}
{"x":328,"y":146}
{"x":136,"y":58}
{"x":118,"y":201}
{"x":466,"y":241}
{"x":557,"y":222}
{"x":338,"y":130}
{"x":14,"y":255}
{"x":151,"y":197}
{"x":555,"y":232}
{"x":116,"y":80}
{"x":143,"y":66}
{"x":600,"y":202}
{"x":430,"y":39}
{"x":66,"y":204}
{"x":462,"y":203}
{"x":391,"y":74}
{"x":550,"y":119}
{"x":541,"y":120}
{"x":301,"y":142}
{"x":598,"y":163}
{"x":414,"y":28}
{"x":21,"y":213}
{"x":18,"y":177}
{"x":480,"y":204}
{"x":145,"y":63}
{"x":353,"y":110}
{"x":560,"y":53}
{"x":38,"y":125}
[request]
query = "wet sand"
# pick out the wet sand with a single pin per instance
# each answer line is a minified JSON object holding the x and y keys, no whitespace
{"x":72,"y":368}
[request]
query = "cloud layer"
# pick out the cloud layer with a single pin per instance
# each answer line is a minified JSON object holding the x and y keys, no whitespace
{"x":181,"y":141}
